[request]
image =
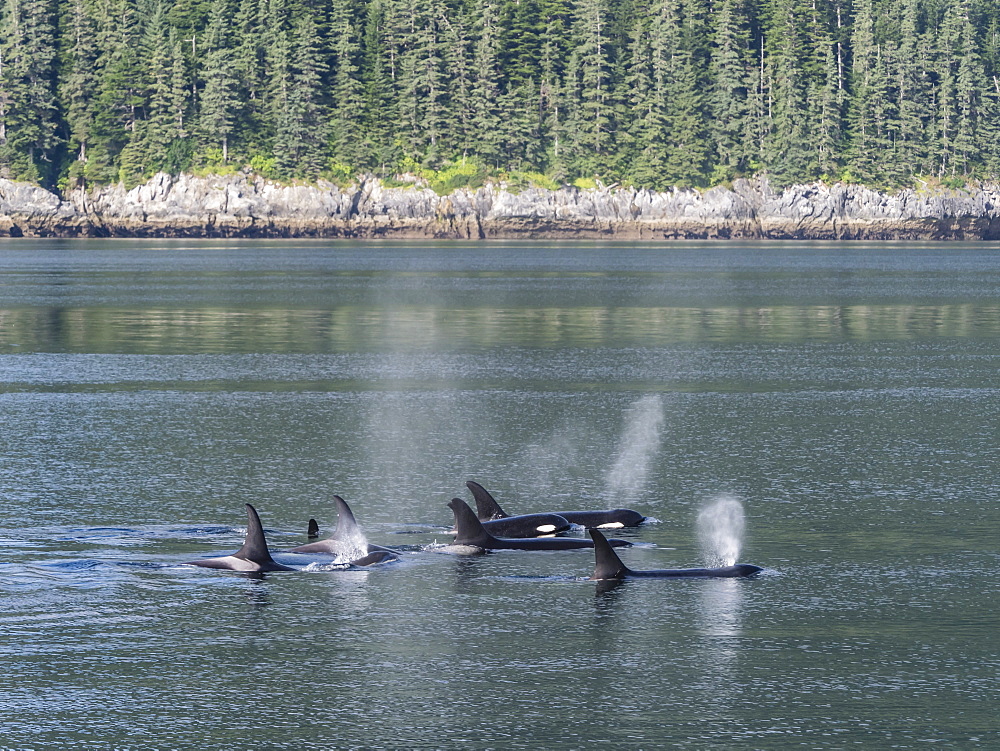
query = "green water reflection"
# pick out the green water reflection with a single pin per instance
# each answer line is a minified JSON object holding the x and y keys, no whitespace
{"x":353,"y":328}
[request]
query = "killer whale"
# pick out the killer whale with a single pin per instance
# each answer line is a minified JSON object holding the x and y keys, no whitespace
{"x":471,"y":533}
{"x":339,"y":543}
{"x":488,"y":509}
{"x":521,"y":525}
{"x":527,"y":525}
{"x":252,"y":557}
{"x":608,"y":566}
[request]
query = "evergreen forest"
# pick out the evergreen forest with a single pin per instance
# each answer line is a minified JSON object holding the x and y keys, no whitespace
{"x":651,"y":93}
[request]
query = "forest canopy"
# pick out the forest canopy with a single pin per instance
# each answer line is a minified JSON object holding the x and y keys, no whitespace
{"x":653,"y":93}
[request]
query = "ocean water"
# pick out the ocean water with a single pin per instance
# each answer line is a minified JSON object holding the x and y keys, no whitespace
{"x":827,"y":411}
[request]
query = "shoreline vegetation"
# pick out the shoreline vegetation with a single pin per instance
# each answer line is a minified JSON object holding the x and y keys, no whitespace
{"x":244,"y":204}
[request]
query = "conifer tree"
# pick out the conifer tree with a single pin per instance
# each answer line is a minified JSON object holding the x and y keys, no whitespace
{"x":295,"y":92}
{"x":551,"y":93}
{"x":121,"y":83}
{"x":483,"y":137}
{"x":912,"y":96}
{"x":688,"y":153}
{"x":347,"y":147}
{"x":728,"y":96}
{"x":421,"y":81}
{"x":457,"y":130}
{"x":644,"y":141}
{"x":867,"y":108}
{"x":788,"y":155}
{"x":380,"y":57}
{"x":78,"y":83}
{"x":28,"y":109}
{"x":219,"y":101}
{"x":970,"y":82}
{"x":588,"y":89}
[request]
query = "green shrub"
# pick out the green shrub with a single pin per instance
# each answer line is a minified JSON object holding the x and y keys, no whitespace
{"x":462,"y":174}
{"x":265,"y":166}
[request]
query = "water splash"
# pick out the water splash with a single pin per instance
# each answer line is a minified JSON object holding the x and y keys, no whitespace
{"x":639,"y":443}
{"x":354,"y":545}
{"x":721,"y":525}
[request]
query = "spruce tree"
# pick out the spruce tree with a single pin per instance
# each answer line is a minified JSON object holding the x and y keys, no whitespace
{"x":912,"y":96}
{"x":28,"y":109}
{"x":588,"y":89}
{"x":945,"y":124}
{"x":728,"y":103}
{"x":121,"y":83}
{"x":346,"y":144}
{"x":308,"y":97}
{"x":867,"y":116}
{"x":78,"y":83}
{"x":220,"y":101}
{"x":296,"y":97}
{"x":484,"y":138}
{"x":970,"y":82}
{"x":421,"y":81}
{"x":380,"y":56}
{"x":643,"y":142}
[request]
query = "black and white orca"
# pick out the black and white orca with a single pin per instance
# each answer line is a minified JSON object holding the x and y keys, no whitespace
{"x":253,"y":557}
{"x":609,"y":566}
{"x":521,"y":525}
{"x":341,"y":542}
{"x":471,"y":533}
{"x":488,"y":509}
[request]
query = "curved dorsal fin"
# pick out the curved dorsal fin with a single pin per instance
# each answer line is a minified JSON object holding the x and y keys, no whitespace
{"x":607,"y":563}
{"x":486,"y":506}
{"x":347,"y":525}
{"x":254,"y":545}
{"x":312,"y":531}
{"x":470,"y":530}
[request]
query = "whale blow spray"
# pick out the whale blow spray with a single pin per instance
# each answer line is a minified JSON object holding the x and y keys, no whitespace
{"x":639,"y":444}
{"x":721,"y":525}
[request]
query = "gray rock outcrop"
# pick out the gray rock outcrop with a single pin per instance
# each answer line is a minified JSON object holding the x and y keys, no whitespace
{"x":243,"y":205}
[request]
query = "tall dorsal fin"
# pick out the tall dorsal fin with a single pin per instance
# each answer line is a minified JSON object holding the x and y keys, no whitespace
{"x":486,"y":506}
{"x":470,"y":529}
{"x":607,"y":563}
{"x":254,"y":546}
{"x":347,"y":525}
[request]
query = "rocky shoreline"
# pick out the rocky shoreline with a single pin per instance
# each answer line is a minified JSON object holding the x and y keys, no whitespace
{"x":241,"y":205}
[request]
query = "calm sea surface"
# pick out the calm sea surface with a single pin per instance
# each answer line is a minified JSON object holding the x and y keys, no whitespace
{"x":846,"y":395}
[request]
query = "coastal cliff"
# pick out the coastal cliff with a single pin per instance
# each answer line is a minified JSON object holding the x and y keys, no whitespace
{"x":241,"y":205}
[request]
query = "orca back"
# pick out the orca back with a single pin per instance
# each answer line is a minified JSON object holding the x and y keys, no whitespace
{"x":526,"y":525}
{"x":611,"y":518}
{"x":253,"y":557}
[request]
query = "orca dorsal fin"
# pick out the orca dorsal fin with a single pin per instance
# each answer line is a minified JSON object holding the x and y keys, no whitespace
{"x":470,"y":530}
{"x":347,"y":526}
{"x":254,"y":546}
{"x":312,"y":531}
{"x":487,"y":507}
{"x":607,"y":563}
